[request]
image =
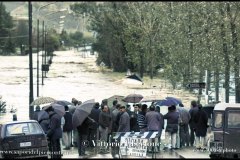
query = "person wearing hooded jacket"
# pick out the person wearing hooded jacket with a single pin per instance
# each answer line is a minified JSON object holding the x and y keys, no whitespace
{"x":54,"y":133}
{"x":43,"y":120}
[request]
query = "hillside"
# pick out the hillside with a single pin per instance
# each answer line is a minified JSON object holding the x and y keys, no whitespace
{"x":71,"y":22}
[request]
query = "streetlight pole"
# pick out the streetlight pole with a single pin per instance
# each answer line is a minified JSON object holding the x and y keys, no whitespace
{"x":37,"y":57}
{"x":30,"y":60}
{"x":42,"y":48}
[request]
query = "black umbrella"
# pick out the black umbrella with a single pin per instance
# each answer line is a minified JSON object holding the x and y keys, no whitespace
{"x":133,"y":98}
{"x":82,"y":112}
{"x":63,"y":102}
{"x":59,"y":109}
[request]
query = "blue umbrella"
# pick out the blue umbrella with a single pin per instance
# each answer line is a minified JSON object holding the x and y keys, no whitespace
{"x":166,"y":102}
{"x":176,"y":100}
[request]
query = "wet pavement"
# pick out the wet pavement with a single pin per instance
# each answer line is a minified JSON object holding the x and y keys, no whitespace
{"x":183,"y":153}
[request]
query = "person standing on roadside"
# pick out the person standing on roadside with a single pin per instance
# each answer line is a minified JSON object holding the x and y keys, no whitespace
{"x":172,"y":127}
{"x":133,"y":119}
{"x":54,"y":133}
{"x":104,"y":123}
{"x":124,"y":122}
{"x":161,"y":125}
{"x":67,"y":129}
{"x":201,"y":120}
{"x":93,"y":130}
{"x":141,"y":118}
{"x":184,"y":118}
{"x":193,"y":111}
{"x":83,"y":131}
{"x":115,"y":113}
{"x":153,"y":120}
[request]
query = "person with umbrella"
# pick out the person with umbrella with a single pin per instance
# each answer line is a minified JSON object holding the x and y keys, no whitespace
{"x":54,"y":132}
{"x":93,"y":130}
{"x":82,"y":122}
{"x":83,"y":131}
{"x":43,"y":120}
{"x":67,"y":128}
{"x":172,"y":127}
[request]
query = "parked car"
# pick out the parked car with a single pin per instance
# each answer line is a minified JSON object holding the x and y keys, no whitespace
{"x":23,"y":139}
{"x":225,"y":142}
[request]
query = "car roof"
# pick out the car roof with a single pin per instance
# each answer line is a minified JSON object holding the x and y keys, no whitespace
{"x":15,"y":122}
{"x":223,"y":106}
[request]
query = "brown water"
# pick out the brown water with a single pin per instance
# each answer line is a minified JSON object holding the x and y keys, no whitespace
{"x":70,"y":75}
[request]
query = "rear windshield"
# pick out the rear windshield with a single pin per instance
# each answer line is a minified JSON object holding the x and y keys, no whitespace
{"x":233,"y":119}
{"x":218,"y":120}
{"x":27,"y":128}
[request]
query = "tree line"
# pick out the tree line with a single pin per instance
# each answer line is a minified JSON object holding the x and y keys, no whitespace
{"x":186,"y":39}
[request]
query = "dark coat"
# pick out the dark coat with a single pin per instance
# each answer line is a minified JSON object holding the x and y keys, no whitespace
{"x":95,"y":116}
{"x":193,"y":112}
{"x":55,"y":130}
{"x":172,"y":121}
{"x":201,"y":120}
{"x":104,"y":119}
{"x":68,"y":126}
{"x":35,"y":115}
{"x":44,"y":122}
{"x":133,"y":121}
{"x":83,"y":129}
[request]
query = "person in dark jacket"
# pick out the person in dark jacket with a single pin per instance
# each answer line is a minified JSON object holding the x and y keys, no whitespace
{"x":133,"y":120}
{"x":35,"y":114}
{"x":67,"y":129}
{"x":172,"y":126}
{"x":201,"y":120}
{"x":54,"y":133}
{"x":104,"y":123}
{"x":124,"y":122}
{"x":115,"y":118}
{"x":193,"y":111}
{"x":161,"y":125}
{"x":93,"y":129}
{"x":83,"y":131}
{"x":44,"y":120}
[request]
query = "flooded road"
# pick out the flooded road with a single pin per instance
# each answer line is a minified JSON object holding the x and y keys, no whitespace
{"x":70,"y":75}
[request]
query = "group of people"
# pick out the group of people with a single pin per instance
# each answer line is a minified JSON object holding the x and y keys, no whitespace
{"x":57,"y":128}
{"x":105,"y":120}
{"x":186,"y":127}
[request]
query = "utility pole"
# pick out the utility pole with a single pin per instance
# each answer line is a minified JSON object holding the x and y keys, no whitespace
{"x":30,"y":60}
{"x":37,"y":57}
{"x":42,"y":50}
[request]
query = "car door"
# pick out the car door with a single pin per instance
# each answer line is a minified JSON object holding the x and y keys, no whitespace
{"x":232,"y":130}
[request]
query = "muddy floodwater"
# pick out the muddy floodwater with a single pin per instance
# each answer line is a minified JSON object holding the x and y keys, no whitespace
{"x":71,"y":75}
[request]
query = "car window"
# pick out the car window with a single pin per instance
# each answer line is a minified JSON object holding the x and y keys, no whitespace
{"x":218,"y":120}
{"x":23,"y":129}
{"x":233,"y":119}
